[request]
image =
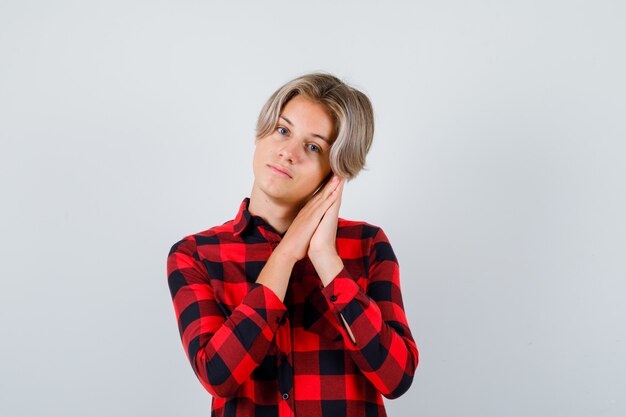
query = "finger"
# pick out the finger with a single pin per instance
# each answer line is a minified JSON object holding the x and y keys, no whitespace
{"x":340,"y":186}
{"x":333,"y":198}
{"x":322,"y":193}
{"x":332,"y":214}
{"x":337,"y":193}
{"x":317,"y":201}
{"x":326,"y":231}
{"x":331,"y":186}
{"x":315,"y":208}
{"x":338,"y":196}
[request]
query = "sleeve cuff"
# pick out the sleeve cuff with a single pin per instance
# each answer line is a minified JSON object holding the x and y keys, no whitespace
{"x":266,"y":304}
{"x":341,"y":291}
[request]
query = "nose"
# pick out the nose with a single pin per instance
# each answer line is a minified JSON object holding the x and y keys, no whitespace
{"x":289,"y":151}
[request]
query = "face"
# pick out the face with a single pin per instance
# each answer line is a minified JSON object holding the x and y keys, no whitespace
{"x":293,"y":161}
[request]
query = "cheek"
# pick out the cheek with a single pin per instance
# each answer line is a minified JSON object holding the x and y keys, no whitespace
{"x":325,"y":167}
{"x":259,"y":152}
{"x":321,"y":172}
{"x":255,"y":157}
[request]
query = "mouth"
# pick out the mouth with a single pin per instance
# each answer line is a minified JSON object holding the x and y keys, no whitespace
{"x":280,"y":171}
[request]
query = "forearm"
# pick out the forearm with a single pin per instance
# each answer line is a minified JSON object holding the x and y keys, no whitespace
{"x":224,"y":351}
{"x":382,"y":345}
{"x":276,"y":272}
{"x":376,"y":330}
{"x":327,"y":265}
{"x":224,"y":347}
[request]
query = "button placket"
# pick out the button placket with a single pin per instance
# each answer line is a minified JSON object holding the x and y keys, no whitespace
{"x":285,"y":365}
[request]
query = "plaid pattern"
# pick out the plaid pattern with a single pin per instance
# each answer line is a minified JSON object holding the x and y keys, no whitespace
{"x":261,"y":357}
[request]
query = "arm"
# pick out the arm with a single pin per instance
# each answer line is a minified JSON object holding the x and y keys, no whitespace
{"x":295,"y":244}
{"x":223,"y":351}
{"x":382,"y":345}
{"x":376,"y":330}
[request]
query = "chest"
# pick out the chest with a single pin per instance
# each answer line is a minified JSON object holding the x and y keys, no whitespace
{"x":233,"y":269}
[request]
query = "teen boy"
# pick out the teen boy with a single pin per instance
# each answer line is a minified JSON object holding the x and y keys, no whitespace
{"x":288,"y":309}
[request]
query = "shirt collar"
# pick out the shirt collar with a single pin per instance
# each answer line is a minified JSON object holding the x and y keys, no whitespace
{"x":244,"y":218}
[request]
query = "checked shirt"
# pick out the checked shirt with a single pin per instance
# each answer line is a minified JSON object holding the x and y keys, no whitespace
{"x":263,"y":357}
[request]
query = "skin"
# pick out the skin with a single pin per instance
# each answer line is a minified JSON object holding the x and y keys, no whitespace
{"x":289,"y":165}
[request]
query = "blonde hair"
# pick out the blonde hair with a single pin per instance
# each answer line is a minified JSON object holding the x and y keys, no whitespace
{"x":351,"y":110}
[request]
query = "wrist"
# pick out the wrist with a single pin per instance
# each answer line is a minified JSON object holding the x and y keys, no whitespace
{"x":322,"y":256}
{"x":327,"y":267}
{"x":284,"y":256}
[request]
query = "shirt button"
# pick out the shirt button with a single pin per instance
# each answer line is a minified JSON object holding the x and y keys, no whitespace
{"x":285,"y":396}
{"x":333,"y":298}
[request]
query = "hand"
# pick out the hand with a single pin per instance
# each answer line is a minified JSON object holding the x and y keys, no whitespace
{"x":323,"y":241}
{"x":295,"y":243}
{"x":323,"y":246}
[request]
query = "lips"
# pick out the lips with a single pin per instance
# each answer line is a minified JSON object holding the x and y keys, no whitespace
{"x":280,"y":170}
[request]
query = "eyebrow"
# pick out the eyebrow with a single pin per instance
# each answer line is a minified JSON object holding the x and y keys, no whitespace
{"x":316,"y":135}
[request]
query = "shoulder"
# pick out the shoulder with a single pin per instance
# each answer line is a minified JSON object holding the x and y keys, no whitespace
{"x":211,"y":236}
{"x":353,"y":229}
{"x":369,"y":237}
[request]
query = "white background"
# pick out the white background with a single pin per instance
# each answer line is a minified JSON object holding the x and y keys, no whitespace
{"x":497,"y":172}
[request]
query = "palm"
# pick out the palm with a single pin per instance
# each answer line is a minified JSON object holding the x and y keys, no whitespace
{"x":325,"y":236}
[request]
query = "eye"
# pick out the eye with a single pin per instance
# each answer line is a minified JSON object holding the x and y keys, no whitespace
{"x":282,"y":130}
{"x":314,"y":148}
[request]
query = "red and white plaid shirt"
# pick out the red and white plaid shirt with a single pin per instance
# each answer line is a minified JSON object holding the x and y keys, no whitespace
{"x":259,"y":356}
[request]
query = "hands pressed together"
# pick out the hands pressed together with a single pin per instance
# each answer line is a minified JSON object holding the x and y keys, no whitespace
{"x":314,"y":229}
{"x":313,"y":232}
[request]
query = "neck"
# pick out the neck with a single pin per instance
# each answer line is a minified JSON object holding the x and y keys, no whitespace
{"x":278,"y":214}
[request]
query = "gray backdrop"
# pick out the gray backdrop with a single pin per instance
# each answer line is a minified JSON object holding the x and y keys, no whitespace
{"x":497,"y":173}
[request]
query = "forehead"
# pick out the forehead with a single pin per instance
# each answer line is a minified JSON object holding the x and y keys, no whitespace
{"x":309,"y":116}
